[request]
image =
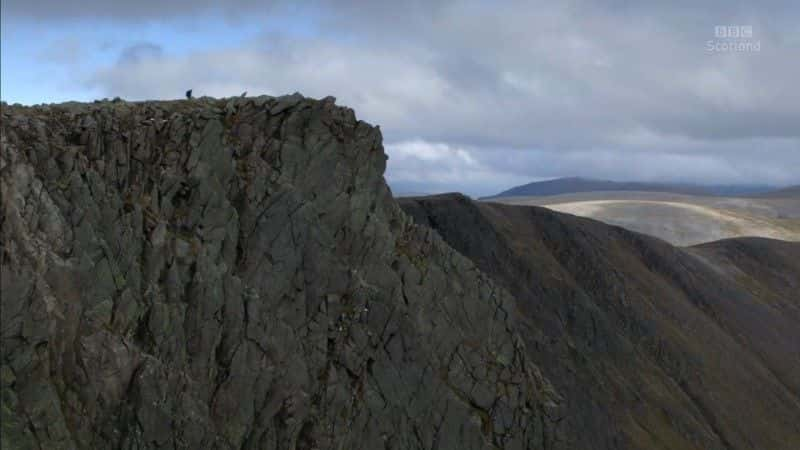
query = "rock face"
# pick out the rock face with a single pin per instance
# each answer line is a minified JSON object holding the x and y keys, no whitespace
{"x":235,"y":274}
{"x":650,"y":346}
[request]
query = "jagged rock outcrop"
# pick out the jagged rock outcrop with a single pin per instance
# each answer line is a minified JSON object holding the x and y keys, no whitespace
{"x":649,"y":345}
{"x":235,"y":274}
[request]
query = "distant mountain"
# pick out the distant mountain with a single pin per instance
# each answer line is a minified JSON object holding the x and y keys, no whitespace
{"x":789,"y":192}
{"x":577,"y":184}
{"x":409,"y":194}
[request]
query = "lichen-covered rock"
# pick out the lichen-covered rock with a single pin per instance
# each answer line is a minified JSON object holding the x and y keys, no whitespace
{"x":235,"y":274}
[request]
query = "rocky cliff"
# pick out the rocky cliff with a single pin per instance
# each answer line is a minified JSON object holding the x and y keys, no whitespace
{"x":235,"y":274}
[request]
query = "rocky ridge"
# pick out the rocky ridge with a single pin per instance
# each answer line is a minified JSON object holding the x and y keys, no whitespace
{"x":234,"y":273}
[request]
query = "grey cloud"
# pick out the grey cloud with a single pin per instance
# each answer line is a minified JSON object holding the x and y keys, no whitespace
{"x":138,"y":53}
{"x":126,"y":11}
{"x":422,"y":167}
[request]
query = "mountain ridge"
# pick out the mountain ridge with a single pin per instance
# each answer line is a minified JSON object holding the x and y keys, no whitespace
{"x":569,"y":185}
{"x":235,"y":274}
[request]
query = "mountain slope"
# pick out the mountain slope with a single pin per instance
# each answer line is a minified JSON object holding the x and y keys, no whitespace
{"x":234,"y":274}
{"x":651,"y":346}
{"x":575,"y":184}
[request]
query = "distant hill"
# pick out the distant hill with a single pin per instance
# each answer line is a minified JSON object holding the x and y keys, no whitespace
{"x":789,"y":192}
{"x":577,"y":184}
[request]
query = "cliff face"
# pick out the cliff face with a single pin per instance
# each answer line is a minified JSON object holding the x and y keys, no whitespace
{"x":235,"y":274}
{"x":650,"y":346}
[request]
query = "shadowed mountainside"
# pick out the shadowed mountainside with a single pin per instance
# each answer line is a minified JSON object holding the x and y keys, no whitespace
{"x":651,"y":346}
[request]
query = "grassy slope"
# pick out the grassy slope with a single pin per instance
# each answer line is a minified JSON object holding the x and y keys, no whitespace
{"x":682,"y":219}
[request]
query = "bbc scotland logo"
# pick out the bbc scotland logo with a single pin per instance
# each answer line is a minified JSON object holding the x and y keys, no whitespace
{"x":735,"y":31}
{"x":733,"y":38}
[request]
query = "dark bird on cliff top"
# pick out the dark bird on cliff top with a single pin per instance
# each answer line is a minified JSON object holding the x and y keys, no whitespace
{"x":189,"y":94}
{"x":244,"y":94}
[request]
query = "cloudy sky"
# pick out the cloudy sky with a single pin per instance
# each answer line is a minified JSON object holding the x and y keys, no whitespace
{"x":471,"y":96}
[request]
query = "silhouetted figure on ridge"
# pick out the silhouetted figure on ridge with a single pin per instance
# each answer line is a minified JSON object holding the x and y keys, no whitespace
{"x":189,"y":94}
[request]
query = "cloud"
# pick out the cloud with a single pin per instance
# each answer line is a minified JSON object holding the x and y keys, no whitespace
{"x":384,"y":87}
{"x":129,"y":11}
{"x":140,"y":53}
{"x":422,"y":167}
